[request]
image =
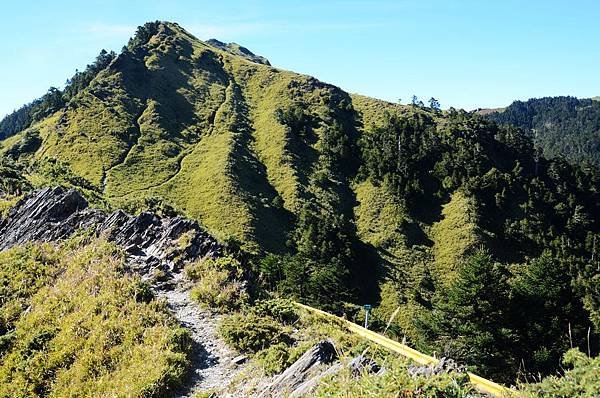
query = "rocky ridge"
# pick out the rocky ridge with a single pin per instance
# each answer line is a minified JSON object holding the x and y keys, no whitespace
{"x":53,"y":214}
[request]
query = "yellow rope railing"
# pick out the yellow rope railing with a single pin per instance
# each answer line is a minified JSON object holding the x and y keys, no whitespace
{"x":484,"y":385}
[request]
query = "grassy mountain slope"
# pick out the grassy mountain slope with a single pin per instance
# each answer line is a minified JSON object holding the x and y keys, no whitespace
{"x":365,"y":200}
{"x":74,"y":324}
{"x":434,"y":189}
{"x":177,"y":118}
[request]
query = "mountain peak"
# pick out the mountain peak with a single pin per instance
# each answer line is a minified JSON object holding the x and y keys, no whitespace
{"x":236,"y":49}
{"x":145,"y":32}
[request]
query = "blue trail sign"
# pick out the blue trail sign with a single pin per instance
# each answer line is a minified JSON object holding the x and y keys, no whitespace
{"x":367,"y":310}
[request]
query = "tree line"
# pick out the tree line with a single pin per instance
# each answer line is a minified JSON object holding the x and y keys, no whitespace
{"x":54,"y":99}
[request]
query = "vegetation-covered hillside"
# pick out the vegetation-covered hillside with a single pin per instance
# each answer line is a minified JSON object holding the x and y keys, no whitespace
{"x":560,"y":126}
{"x":480,"y":247}
{"x":73,"y":323}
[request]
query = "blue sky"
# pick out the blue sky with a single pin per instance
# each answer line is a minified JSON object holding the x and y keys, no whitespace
{"x":465,"y":53}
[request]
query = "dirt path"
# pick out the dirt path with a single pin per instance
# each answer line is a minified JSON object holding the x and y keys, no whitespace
{"x":212,"y":363}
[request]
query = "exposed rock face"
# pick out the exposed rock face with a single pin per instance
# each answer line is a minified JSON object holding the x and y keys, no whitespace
{"x":302,"y":378}
{"x":152,"y":241}
{"x":46,"y":215}
{"x":53,"y":214}
{"x":303,"y":375}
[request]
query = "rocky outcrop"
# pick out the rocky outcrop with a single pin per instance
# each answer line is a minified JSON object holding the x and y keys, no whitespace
{"x":47,"y":215}
{"x":151,"y":241}
{"x":444,"y":365}
{"x":361,"y":364}
{"x":303,"y":375}
{"x":53,"y":214}
{"x":302,"y":378}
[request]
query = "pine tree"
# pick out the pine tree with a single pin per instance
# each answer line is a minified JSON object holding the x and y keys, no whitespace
{"x":470,"y":317}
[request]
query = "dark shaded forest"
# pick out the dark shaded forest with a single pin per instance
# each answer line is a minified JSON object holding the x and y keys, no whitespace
{"x":560,"y":126}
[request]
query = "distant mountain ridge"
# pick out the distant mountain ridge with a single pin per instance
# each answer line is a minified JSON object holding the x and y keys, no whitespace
{"x":560,"y":126}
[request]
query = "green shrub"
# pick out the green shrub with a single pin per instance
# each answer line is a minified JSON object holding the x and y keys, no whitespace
{"x":6,"y":203}
{"x":274,"y":359}
{"x":12,"y":175}
{"x":583,"y":380}
{"x":152,"y":204}
{"x":197,"y":270}
{"x":142,"y":291}
{"x":281,"y":309}
{"x":279,"y":357}
{"x":395,"y":382}
{"x":206,"y":394}
{"x":23,"y":271}
{"x":158,"y":275}
{"x":29,"y":143}
{"x":218,"y":283}
{"x":251,"y":333}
